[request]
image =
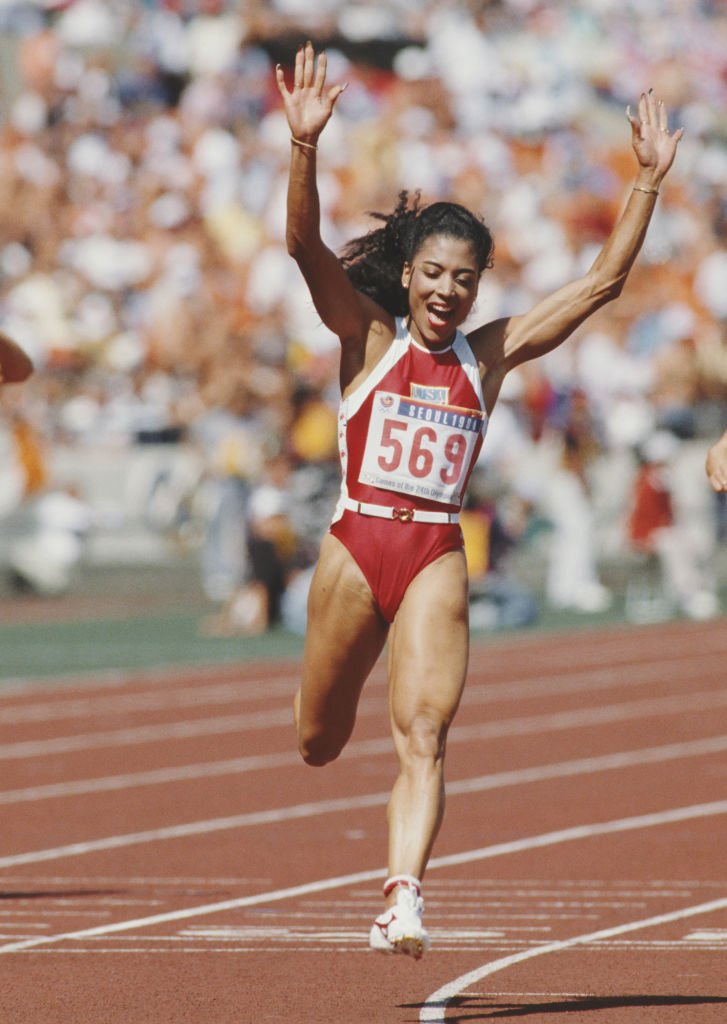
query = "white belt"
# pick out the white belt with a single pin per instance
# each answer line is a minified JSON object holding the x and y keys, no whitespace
{"x":404,"y":515}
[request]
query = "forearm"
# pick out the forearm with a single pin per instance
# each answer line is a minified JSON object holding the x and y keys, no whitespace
{"x":613,"y":264}
{"x":303,"y":224}
{"x":555,"y":317}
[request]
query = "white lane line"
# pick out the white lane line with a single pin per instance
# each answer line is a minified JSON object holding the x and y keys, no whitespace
{"x":619,"y":825}
{"x":151,"y":700}
{"x":251,"y":720}
{"x":435,"y":1009}
{"x":153,"y":777}
{"x":475,"y":694}
{"x":521,"y":726}
{"x":656,"y":670}
{"x":479,"y":784}
{"x":164,"y":676}
{"x":684,"y":641}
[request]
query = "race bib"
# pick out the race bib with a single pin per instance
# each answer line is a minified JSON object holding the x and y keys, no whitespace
{"x":419,"y":449}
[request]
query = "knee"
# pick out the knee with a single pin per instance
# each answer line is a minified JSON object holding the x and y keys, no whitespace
{"x":424,"y":740}
{"x":318,"y":750}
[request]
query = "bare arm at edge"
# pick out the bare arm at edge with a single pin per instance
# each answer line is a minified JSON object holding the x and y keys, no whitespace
{"x":716,"y":465}
{"x":15,"y":365}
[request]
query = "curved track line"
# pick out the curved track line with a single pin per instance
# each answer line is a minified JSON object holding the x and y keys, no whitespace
{"x":434,"y":1011}
{"x":479,"y":784}
{"x":618,"y":825}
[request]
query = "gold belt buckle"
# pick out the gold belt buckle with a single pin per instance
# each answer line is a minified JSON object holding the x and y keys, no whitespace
{"x":404,"y":515}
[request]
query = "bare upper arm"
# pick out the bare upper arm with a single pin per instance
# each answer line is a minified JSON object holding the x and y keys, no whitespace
{"x":509,"y":341}
{"x":336,"y":301}
{"x":364,"y":328}
{"x":503,"y":344}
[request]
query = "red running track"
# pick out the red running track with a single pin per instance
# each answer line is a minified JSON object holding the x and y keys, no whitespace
{"x":166,"y":858}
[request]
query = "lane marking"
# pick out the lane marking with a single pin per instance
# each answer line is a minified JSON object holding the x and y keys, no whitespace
{"x":524,"y":725}
{"x":619,"y":825}
{"x":479,"y":784}
{"x":434,"y":1012}
{"x":19,"y":687}
{"x":259,"y":688}
{"x":370,"y":748}
{"x":149,"y":700}
{"x":594,"y":647}
{"x":189,"y":729}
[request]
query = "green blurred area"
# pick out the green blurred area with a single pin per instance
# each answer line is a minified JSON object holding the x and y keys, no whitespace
{"x":149,"y":617}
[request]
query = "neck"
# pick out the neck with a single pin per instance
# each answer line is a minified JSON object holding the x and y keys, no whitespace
{"x":432,"y":346}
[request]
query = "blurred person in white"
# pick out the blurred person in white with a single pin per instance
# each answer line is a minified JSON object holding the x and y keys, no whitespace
{"x":227,"y":434}
{"x":47,"y":560}
{"x":572,"y":580}
{"x":256,"y":606}
{"x":658,"y":529}
{"x":398,"y":574}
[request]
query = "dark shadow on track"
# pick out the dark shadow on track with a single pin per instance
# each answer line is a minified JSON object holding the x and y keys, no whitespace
{"x":467,"y":1009}
{"x":54,"y":894}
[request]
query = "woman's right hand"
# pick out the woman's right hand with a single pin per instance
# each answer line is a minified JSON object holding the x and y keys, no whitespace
{"x":308,"y":106}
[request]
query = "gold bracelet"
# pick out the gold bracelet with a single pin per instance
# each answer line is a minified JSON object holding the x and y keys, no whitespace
{"x":299,"y":142}
{"x":649,"y":191}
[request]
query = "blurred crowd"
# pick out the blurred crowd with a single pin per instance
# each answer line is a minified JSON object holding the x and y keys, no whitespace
{"x":143,"y":160}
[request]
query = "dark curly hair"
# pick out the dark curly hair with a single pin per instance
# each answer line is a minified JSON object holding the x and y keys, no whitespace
{"x":374,"y":261}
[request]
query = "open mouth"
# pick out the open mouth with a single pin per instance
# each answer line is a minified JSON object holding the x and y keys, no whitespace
{"x":439,"y":316}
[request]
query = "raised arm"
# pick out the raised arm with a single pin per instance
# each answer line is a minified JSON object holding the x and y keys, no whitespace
{"x":308,"y":107}
{"x":507,"y":342}
{"x":15,"y":365}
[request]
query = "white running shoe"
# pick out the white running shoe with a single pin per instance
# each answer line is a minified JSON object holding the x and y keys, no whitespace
{"x":399,"y":929}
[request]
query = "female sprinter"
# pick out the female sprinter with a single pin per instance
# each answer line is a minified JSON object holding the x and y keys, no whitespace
{"x":416,"y":396}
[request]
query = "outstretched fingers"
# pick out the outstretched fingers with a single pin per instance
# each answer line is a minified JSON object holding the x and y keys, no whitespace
{"x":320,"y":78}
{"x":309,"y":65}
{"x":280,"y":79}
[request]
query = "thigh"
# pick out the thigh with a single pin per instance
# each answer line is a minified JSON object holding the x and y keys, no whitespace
{"x":344,"y":637}
{"x":429,"y":648}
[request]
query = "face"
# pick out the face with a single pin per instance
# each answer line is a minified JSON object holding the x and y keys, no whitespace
{"x":442,"y":282}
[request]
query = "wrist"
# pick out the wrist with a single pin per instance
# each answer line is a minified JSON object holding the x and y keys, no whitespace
{"x":648,"y":181}
{"x":308,"y":142}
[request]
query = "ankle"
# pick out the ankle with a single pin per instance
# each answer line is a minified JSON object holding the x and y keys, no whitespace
{"x":396,"y":882}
